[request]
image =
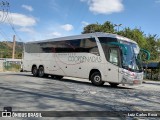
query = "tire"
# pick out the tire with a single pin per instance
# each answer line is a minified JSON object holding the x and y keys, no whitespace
{"x":114,"y":84}
{"x":41,"y":72}
{"x":35,"y":71}
{"x":57,"y":77}
{"x":96,"y":79}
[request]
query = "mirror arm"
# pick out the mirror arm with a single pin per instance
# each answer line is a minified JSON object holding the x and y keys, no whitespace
{"x":147,"y":52}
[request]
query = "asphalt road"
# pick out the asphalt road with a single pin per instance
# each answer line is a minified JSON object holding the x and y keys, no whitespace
{"x":23,"y":92}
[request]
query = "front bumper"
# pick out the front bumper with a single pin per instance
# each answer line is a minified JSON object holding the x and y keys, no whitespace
{"x":132,"y":78}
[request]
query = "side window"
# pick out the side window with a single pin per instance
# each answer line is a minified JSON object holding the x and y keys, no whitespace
{"x":89,"y":45}
{"x":104,"y":43}
{"x":47,"y":47}
{"x":113,"y":56}
{"x":67,"y":46}
{"x":27,"y":48}
{"x":105,"y":40}
{"x":33,"y":48}
{"x":57,"y":47}
{"x":62,"y":47}
{"x":74,"y":45}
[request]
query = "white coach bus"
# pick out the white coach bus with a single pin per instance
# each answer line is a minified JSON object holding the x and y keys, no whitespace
{"x":99,"y":57}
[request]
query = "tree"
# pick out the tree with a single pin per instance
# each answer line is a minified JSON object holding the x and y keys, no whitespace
{"x":106,"y":27}
{"x":134,"y":34}
{"x":149,"y":42}
{"x":153,"y":46}
{"x":92,"y":28}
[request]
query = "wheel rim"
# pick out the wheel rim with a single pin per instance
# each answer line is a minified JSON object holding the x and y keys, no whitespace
{"x":97,"y":78}
{"x":34,"y":71}
{"x":41,"y":72}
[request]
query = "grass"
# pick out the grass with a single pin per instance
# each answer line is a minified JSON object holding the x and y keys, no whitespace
{"x":12,"y":67}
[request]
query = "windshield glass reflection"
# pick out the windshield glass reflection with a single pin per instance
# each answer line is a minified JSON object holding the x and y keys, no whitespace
{"x":129,"y":60}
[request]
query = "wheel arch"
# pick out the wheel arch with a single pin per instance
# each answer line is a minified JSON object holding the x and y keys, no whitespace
{"x":92,"y":71}
{"x":41,"y":66}
{"x":34,"y":65}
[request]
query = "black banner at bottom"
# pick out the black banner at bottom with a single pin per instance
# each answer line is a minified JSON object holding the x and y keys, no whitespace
{"x":80,"y":114}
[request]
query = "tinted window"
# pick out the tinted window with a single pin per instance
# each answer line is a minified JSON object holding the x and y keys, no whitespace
{"x":113,"y":56}
{"x":33,"y":48}
{"x":80,"y":45}
{"x":89,"y":45}
{"x":104,"y":42}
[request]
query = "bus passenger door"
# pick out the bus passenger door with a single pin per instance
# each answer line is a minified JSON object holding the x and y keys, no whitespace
{"x":113,"y":65}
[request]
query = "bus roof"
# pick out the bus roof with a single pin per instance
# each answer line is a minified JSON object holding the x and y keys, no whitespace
{"x":87,"y":35}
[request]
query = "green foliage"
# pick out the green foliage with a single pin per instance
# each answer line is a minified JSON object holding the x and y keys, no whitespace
{"x":6,"y":50}
{"x":134,"y":34}
{"x":92,"y":28}
{"x":153,"y":46}
{"x":148,"y":42}
{"x":11,"y":66}
{"x":106,"y":27}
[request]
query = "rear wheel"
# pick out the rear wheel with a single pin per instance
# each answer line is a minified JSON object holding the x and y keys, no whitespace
{"x":114,"y":84}
{"x":41,"y":71}
{"x":34,"y":71}
{"x":96,"y":79}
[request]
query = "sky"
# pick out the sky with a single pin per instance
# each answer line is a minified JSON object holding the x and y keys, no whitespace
{"x":33,"y":20}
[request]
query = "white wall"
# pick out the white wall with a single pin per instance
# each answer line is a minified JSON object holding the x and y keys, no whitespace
{"x":1,"y":65}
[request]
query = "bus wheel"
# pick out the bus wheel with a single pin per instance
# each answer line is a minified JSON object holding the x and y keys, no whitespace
{"x":41,"y":71}
{"x":34,"y":71}
{"x":114,"y":84}
{"x":96,"y":79}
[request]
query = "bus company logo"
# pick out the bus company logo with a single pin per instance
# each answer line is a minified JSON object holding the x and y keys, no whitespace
{"x":84,"y":59}
{"x":6,"y":114}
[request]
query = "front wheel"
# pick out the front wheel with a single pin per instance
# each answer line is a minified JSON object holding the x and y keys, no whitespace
{"x":96,"y":79}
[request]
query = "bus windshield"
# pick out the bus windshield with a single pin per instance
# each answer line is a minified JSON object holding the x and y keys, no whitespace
{"x":130,"y":60}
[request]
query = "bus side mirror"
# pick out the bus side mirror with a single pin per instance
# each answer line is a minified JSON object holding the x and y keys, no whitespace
{"x":144,"y":54}
{"x":124,"y":49}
